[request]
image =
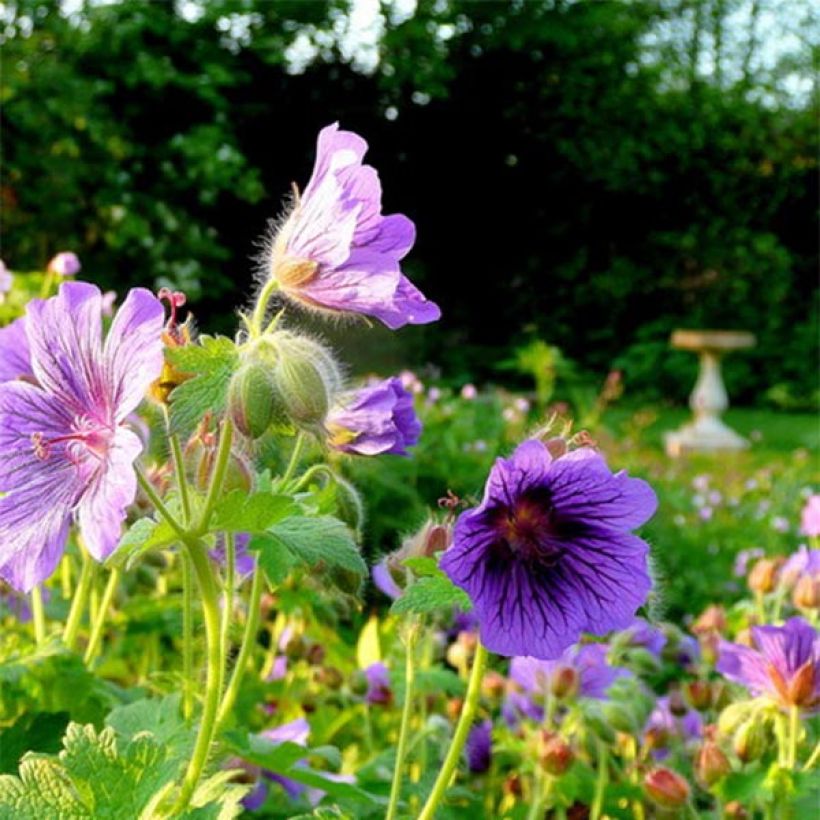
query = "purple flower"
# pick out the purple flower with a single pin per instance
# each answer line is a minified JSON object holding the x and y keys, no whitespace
{"x":336,"y":251}
{"x":378,"y":684}
{"x":244,"y":562}
{"x":581,"y":669}
{"x":744,"y":558}
{"x":65,"y":264}
{"x":383,"y":579}
{"x":804,"y":562}
{"x":15,"y":356}
{"x":642,"y":633}
{"x":64,"y":451}
{"x":810,"y":517}
{"x":469,"y":392}
{"x":548,"y":554}
{"x":479,"y":747}
{"x":783,"y":665}
{"x":664,"y":723}
{"x":6,"y":279}
{"x":375,"y":420}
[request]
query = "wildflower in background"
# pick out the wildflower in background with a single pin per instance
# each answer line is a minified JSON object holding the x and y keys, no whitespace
{"x":671,"y":718}
{"x":244,"y":562}
{"x":376,"y":420}
{"x":6,"y":279}
{"x":548,"y":554}
{"x":469,"y":392}
{"x":810,"y":517}
{"x":479,"y":747}
{"x":64,"y":264}
{"x":741,"y":566}
{"x":336,"y":251}
{"x":642,"y":634}
{"x":804,"y":562}
{"x":378,"y":684}
{"x":15,"y":356}
{"x":783,"y":664}
{"x":64,"y":451}
{"x":581,"y":670}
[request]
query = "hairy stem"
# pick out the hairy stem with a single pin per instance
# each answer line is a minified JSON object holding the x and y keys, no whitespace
{"x":294,"y":459}
{"x":182,"y":483}
{"x":601,"y":783}
{"x":465,"y":722}
{"x":187,"y":637}
{"x":223,"y":455}
{"x":261,"y":308}
{"x":102,"y":611}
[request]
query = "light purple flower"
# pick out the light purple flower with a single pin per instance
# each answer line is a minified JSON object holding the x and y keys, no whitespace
{"x":6,"y":279}
{"x":15,"y":356}
{"x":587,"y":663}
{"x":336,"y":251}
{"x":469,"y":392}
{"x":664,"y":724}
{"x":375,"y":420}
{"x":64,"y":451}
{"x":810,"y":517}
{"x":744,"y":558}
{"x":803,"y":562}
{"x":783,"y":665}
{"x":244,"y":563}
{"x":378,"y":684}
{"x":65,"y":264}
{"x":479,"y":747}
{"x":384,"y":581}
{"x":548,"y":554}
{"x":642,"y":633}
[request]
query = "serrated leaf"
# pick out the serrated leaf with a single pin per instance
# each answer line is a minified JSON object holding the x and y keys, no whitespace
{"x":276,"y":560}
{"x":211,"y":363}
{"x":141,"y":537}
{"x":240,"y":512}
{"x":36,"y":732}
{"x":429,"y":594}
{"x":160,"y":717}
{"x":321,"y":541}
{"x":422,"y":566}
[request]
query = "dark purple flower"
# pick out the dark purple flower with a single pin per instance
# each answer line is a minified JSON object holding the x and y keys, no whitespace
{"x":586,"y":666}
{"x":783,"y":665}
{"x":378,"y":684}
{"x":479,"y":747}
{"x":15,"y":356}
{"x":548,"y":554}
{"x":65,"y":453}
{"x":244,"y":563}
{"x":65,"y":264}
{"x":642,"y":633}
{"x":336,"y":252}
{"x":375,"y":420}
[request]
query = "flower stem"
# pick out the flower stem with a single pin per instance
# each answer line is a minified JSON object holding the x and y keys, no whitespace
{"x":187,"y":637}
{"x":294,"y":459}
{"x":159,"y":504}
{"x":38,"y":615}
{"x":213,"y":686}
{"x":99,"y":622}
{"x":261,"y":308}
{"x":600,"y":785}
{"x":406,"y":713}
{"x":460,"y":737}
{"x":78,"y":605}
{"x":227,"y":592}
{"x":794,"y":731}
{"x":813,"y":758}
{"x":245,"y":650}
{"x":182,"y":483}
{"x":223,"y":455}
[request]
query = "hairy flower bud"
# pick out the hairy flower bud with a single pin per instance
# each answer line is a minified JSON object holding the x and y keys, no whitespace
{"x":667,"y":788}
{"x":750,"y":741}
{"x":564,"y":682}
{"x":712,"y":619}
{"x":806,"y":593}
{"x":252,"y":400}
{"x":554,"y":754}
{"x":763,"y":576}
{"x":711,"y":764}
{"x":493,"y":685}
{"x":349,"y":507}
{"x":699,"y":694}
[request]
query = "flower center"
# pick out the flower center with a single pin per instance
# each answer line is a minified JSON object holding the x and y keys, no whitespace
{"x":87,"y":438}
{"x":293,"y":272}
{"x":525,"y":528}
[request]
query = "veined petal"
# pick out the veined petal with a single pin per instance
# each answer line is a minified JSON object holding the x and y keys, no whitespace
{"x":133,"y":350}
{"x":102,"y":507}
{"x":743,"y":665}
{"x":335,"y":150}
{"x":393,"y":235}
{"x":15,"y":355}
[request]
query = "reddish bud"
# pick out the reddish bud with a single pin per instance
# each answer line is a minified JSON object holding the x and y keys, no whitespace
{"x":564,"y":682}
{"x":667,"y":788}
{"x":711,"y":764}
{"x":699,"y":694}
{"x":806,"y":594}
{"x":554,"y":754}
{"x":493,"y":685}
{"x":763,"y":576}
{"x":712,"y":619}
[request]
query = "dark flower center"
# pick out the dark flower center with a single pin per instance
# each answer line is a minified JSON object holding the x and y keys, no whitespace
{"x":525,"y":528}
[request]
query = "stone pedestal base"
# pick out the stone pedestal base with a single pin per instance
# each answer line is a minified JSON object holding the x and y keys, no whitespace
{"x":703,"y":436}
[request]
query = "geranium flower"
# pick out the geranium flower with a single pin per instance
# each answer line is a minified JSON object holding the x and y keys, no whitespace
{"x":666,"y":722}
{"x":479,"y":747}
{"x":64,"y":451}
{"x":15,"y":356}
{"x":548,"y":554}
{"x":65,"y":264}
{"x":376,"y":420}
{"x":810,"y":517}
{"x":6,"y":278}
{"x":783,"y":665}
{"x":642,"y":633}
{"x":336,"y":252}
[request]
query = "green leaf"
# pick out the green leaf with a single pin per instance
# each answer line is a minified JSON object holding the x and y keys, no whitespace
{"x":271,"y":755}
{"x":161,"y":717}
{"x":422,"y":566}
{"x":211,"y":363}
{"x":430,"y":593}
{"x":34,"y":732}
{"x":322,"y":541}
{"x":240,"y":512}
{"x":276,"y":560}
{"x":141,"y":537}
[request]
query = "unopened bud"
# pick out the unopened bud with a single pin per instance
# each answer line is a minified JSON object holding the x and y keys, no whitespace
{"x":554,"y":754}
{"x":349,"y":507}
{"x":750,"y":741}
{"x":329,"y":677}
{"x":453,"y":708}
{"x":512,"y":786}
{"x":806,"y":593}
{"x":712,"y":619}
{"x":493,"y":685}
{"x":699,"y":694}
{"x":620,"y":716}
{"x":564,"y":682}
{"x":763,"y":576}
{"x":677,"y":705}
{"x":734,"y":811}
{"x":315,"y":654}
{"x":252,"y":399}
{"x":667,"y":788}
{"x":711,"y":764}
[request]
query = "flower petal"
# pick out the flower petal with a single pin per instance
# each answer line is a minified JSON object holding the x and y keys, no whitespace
{"x":15,"y":356}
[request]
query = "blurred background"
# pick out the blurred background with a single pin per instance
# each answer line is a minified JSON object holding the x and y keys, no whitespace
{"x":585,"y":176}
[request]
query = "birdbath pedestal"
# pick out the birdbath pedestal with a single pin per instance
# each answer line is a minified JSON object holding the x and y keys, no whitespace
{"x":707,"y":433}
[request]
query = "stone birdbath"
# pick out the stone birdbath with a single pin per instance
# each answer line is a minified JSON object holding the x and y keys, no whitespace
{"x":707,"y":433}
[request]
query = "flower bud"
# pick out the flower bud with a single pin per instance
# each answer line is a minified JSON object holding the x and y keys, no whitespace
{"x":711,"y":764}
{"x":315,"y":654}
{"x":329,"y":677}
{"x":806,"y":593}
{"x":734,"y":716}
{"x":349,"y":507}
{"x":667,"y":788}
{"x":734,"y":811}
{"x":763,"y":576}
{"x":564,"y":682}
{"x":620,"y":716}
{"x":252,"y":400}
{"x":712,"y":619}
{"x":699,"y":694}
{"x":554,"y":754}
{"x":750,"y":741}
{"x":512,"y":786}
{"x":453,"y":708}
{"x":493,"y":685}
